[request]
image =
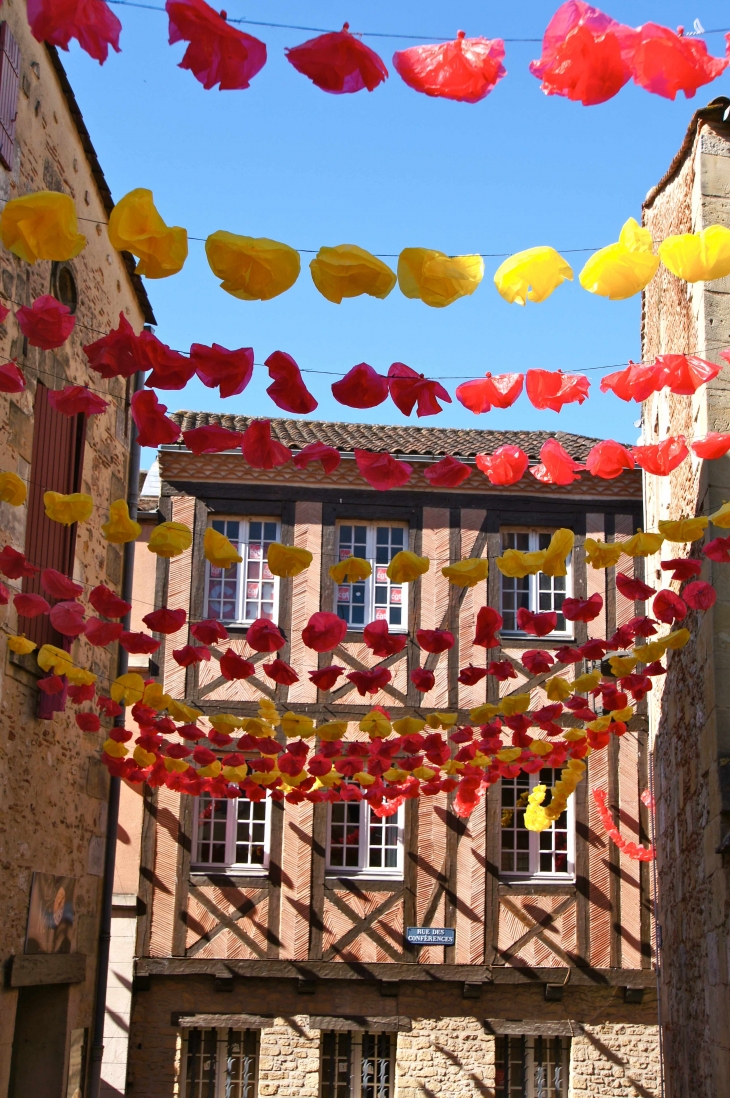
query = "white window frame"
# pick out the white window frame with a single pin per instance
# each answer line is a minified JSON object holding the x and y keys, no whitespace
{"x":534,"y":1087}
{"x":370,"y":583}
{"x":534,"y":874}
{"x":231,"y":828}
{"x":355,"y":1087}
{"x":533,"y":533}
{"x":221,"y":1081}
{"x":242,"y":546}
{"x":363,"y":870}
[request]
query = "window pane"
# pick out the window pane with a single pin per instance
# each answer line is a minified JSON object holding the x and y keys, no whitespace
{"x":250,"y":831}
{"x":211,"y":834}
{"x":382,"y":841}
{"x":345,"y":835}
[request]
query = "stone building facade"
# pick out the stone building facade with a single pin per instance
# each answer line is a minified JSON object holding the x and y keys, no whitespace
{"x":53,"y":788}
{"x":289,"y":971}
{"x":690,"y":717}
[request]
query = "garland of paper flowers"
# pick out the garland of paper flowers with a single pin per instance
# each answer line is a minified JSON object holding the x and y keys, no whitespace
{"x":635,"y":851}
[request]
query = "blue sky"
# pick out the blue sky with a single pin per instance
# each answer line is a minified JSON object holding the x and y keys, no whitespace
{"x":388,"y":170}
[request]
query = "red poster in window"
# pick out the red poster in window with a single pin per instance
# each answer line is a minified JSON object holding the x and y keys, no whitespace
{"x":343,"y":594}
{"x":396,"y":595}
{"x":381,"y":574}
{"x":380,"y":613}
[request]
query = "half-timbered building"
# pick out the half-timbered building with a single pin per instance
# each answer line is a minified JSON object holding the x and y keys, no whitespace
{"x":272,"y":952}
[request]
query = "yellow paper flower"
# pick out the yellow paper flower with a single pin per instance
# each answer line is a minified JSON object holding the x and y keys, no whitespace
{"x":67,"y":510}
{"x":589,"y":681}
{"x":558,"y":688}
{"x":226,"y":723}
{"x":297,"y":724}
{"x":135,"y":226}
{"x":287,"y":560}
{"x":349,"y":271}
{"x":114,"y":749}
{"x":721,"y":517}
{"x":557,"y":553}
{"x":79,"y":676}
{"x":407,"y":566}
{"x":425,"y":773}
{"x":624,"y":714}
{"x":514,"y":703}
{"x":441,"y":720}
{"x":572,"y":735}
{"x":599,"y":554}
{"x":181,"y":712}
{"x":259,"y":728}
{"x":128,"y":689}
{"x":233,"y":774}
{"x":41,"y":226}
{"x":516,"y":564}
{"x":170,"y":539}
{"x":453,"y":767}
{"x":600,"y":724}
{"x":219,"y":550}
{"x":394,"y":774}
{"x":688,"y":529}
{"x":12,"y":489}
{"x":642,"y":544}
{"x":54,"y":659}
{"x":213,"y":770}
{"x":622,"y":269}
{"x":535,"y":817}
{"x":438,"y":279}
{"x":351,"y":570}
{"x":21,"y":644}
{"x":154,"y":696}
{"x":541,"y":747}
{"x":622,"y":665}
{"x":144,"y":758}
{"x":677,"y":639}
{"x":252,"y":268}
{"x":325,"y":781}
{"x":531,"y":275}
{"x":120,"y":528}
{"x":408,"y":726}
{"x":331,"y":731}
{"x":364,"y":778}
{"x":648,"y":653}
{"x":698,"y":257}
{"x":179,"y":766}
{"x":509,"y":754}
{"x":483,"y":714}
{"x":467,"y":573}
{"x":376,"y":724}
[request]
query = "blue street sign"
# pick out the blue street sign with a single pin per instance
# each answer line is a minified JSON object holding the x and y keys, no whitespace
{"x":430,"y":935}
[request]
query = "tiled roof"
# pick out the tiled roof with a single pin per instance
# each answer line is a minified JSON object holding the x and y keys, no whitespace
{"x":427,"y":441}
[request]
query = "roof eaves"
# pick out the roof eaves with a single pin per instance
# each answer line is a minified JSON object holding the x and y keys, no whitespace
{"x":713,"y":112}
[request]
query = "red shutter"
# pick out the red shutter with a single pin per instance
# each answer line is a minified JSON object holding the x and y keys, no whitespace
{"x":56,"y":465}
{"x":9,"y":81}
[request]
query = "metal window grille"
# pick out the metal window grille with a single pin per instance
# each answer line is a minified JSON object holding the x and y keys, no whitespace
{"x":539,"y":593}
{"x":220,"y":1063}
{"x":359,"y":842}
{"x":375,"y":598}
{"x":549,"y":853}
{"x":249,"y":590}
{"x":231,"y":832}
{"x":532,"y":1067}
{"x":357,"y":1065}
{"x":9,"y":84}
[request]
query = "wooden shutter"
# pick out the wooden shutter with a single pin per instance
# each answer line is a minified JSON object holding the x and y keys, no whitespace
{"x":56,"y":465}
{"x":9,"y":81}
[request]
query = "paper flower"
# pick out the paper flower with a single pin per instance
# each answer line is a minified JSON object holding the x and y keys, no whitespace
{"x":668,"y":607}
{"x":407,"y":566}
{"x":434,"y":640}
{"x":408,"y":388}
{"x":381,"y":642}
{"x":636,"y":382}
{"x":327,"y":456}
{"x":170,"y":539}
{"x":438,"y":279}
{"x":682,"y":568}
{"x":326,"y":677}
{"x":349,"y":271}
{"x":557,"y":552}
{"x":688,"y":529}
{"x":287,"y":560}
{"x":68,"y":618}
{"x":382,"y":471}
{"x":12,"y":489}
{"x":601,"y":555}
{"x":92,"y":24}
{"x":537,"y":661}
{"x":190,"y":654}
{"x":59,"y":586}
{"x":20,"y":644}
{"x":127,"y":689}
{"x":51,"y":658}
{"x":531,"y":275}
{"x":467,"y":573}
{"x":135,"y":226}
{"x":264,"y":636}
{"x":608,"y":460}
{"x":470,"y":676}
{"x":698,"y":257}
{"x":46,"y":323}
{"x":260,"y":450}
{"x":484,"y":393}
{"x":76,"y":507}
{"x":218,"y":53}
{"x":219,"y":550}
{"x":170,"y":369}
{"x":211,"y":439}
{"x":120,"y":528}
{"x":361,"y":387}
{"x":11,"y":378}
{"x":622,"y":269}
{"x":714,"y":445}
{"x":351,"y":570}
{"x":232,"y":666}
{"x":154,"y":428}
{"x":552,"y":389}
{"x":107,"y":603}
{"x":505,"y":466}
{"x":30,"y":605}
{"x":370,"y":682}
{"x":324,"y":631}
{"x":338,"y":62}
{"x":699,"y":595}
{"x":683,"y":374}
{"x":447,"y":473}
{"x":642,"y":544}
{"x":281,"y":672}
{"x":252,"y":268}
{"x":209,"y":631}
{"x":466,"y":69}
{"x":41,"y":226}
{"x":665,"y":62}
{"x":288,"y":390}
{"x":634,"y":589}
{"x":423,"y":679}
{"x":228,"y":371}
{"x":489,"y":622}
{"x":101,"y":633}
{"x":76,"y":400}
{"x":140,"y":644}
{"x":516,"y":564}
{"x":556,"y":465}
{"x":114,"y":355}
{"x":14,"y":565}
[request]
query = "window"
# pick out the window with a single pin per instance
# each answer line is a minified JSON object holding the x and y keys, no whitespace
{"x":9,"y":83}
{"x":375,"y":598}
{"x":357,"y":1065}
{"x":542,"y":854}
{"x":532,"y":1067}
{"x":539,"y":593}
{"x":220,"y":1063}
{"x":358,"y":841}
{"x":231,"y":833}
{"x":63,"y":286}
{"x":246,"y":591}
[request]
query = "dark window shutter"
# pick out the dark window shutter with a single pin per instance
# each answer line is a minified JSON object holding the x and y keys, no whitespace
{"x":56,"y":465}
{"x":9,"y":81}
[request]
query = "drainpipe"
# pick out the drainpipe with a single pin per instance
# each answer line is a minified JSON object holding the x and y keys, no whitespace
{"x":112,"y":819}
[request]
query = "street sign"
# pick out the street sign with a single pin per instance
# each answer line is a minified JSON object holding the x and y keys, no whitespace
{"x":430,"y":935}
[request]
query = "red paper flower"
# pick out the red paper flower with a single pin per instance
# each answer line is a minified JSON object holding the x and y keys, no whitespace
{"x":317,"y":451}
{"x":361,"y":387}
{"x":489,"y":622}
{"x":217,"y":367}
{"x":537,"y":661}
{"x":338,"y":63}
{"x":165,"y":621}
{"x":218,"y":53}
{"x":138,"y":644}
{"x":170,"y":369}
{"x":4,"y":595}
{"x":209,"y":631}
{"x":68,"y":618}
{"x":233,"y":666}
{"x":557,"y":466}
{"x":46,"y":323}
{"x":108,"y":707}
{"x":471,"y":675}
{"x":684,"y":374}
{"x":324,"y":631}
{"x":537,"y":625}
{"x":486,"y":392}
{"x":636,"y":382}
{"x":211,"y":439}
{"x":409,"y":389}
{"x":465,"y":70}
{"x":594,"y":649}
{"x":59,"y":586}
{"x":608,"y":460}
{"x":699,"y":595}
{"x":568,"y":654}
{"x":76,"y":400}
{"x":190,"y":654}
{"x":30,"y":606}
{"x":14,"y":564}
{"x":92,"y":23}
{"x":663,"y":458}
{"x":422,"y":679}
{"x":718,"y":550}
{"x":434,"y":640}
{"x":326,"y":677}
{"x":713,"y":445}
{"x":101,"y":633}
{"x":81,"y":693}
{"x":447,"y":473}
{"x":668,"y":607}
{"x":264,"y":636}
{"x":382,"y":471}
{"x":11,"y":379}
{"x":381,"y":641}
{"x":154,"y":428}
{"x":505,"y":466}
{"x":501,"y":670}
{"x":288,"y":390}
{"x":260,"y":450}
{"x":88,"y":722}
{"x":114,"y":355}
{"x":682,"y":568}
{"x":665,"y":63}
{"x":281,"y":672}
{"x":107,"y":603}
{"x":548,"y":389}
{"x":369,"y":682}
{"x":582,"y":609}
